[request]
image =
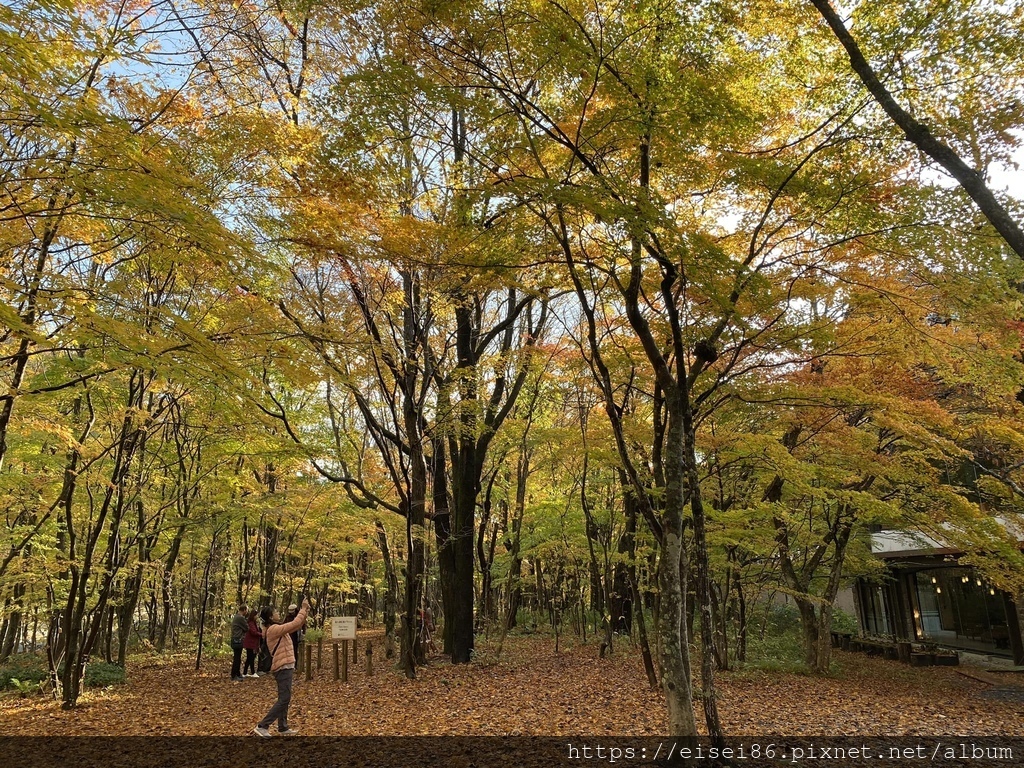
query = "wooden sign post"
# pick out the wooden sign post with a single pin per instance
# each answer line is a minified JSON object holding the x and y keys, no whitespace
{"x":343,"y":629}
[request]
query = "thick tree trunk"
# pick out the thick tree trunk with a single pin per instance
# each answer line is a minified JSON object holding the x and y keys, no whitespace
{"x":466,"y":471}
{"x":675,"y":667}
{"x":462,"y":587}
{"x":445,"y":545}
{"x":809,"y":629}
{"x":10,"y":635}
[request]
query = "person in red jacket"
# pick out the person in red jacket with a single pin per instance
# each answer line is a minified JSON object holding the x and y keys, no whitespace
{"x":251,"y":644}
{"x":282,"y":667}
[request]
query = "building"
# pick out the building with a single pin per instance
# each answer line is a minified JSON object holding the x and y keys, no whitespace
{"x":929,"y":597}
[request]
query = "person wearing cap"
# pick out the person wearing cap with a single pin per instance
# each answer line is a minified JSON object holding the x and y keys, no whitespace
{"x":282,"y":667}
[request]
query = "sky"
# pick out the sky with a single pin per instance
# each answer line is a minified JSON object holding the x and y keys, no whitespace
{"x":1010,"y":180}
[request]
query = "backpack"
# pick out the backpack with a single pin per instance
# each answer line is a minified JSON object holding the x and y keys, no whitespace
{"x":265,"y":659}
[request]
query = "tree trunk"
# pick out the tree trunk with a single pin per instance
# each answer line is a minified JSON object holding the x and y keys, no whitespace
{"x":675,"y":667}
{"x":445,"y":545}
{"x":466,"y":472}
{"x":741,"y":619}
{"x":390,"y":592}
{"x":166,"y":582}
{"x":623,"y":596}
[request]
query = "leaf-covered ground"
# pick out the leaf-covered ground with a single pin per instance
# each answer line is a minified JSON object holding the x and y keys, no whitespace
{"x":532,"y":691}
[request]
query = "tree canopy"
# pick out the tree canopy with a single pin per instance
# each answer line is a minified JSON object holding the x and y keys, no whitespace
{"x":576,"y":307}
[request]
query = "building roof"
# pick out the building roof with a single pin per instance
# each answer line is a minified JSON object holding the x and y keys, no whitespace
{"x":893,"y":544}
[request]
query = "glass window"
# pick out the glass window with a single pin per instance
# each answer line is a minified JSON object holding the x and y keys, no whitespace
{"x":956,"y":607}
{"x":876,"y":617}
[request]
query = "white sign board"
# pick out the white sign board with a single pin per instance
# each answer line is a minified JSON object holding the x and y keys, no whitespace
{"x":343,"y":627}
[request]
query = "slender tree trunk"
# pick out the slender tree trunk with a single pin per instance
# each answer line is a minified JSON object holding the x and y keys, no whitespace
{"x":641,"y":624}
{"x":623,"y":598}
{"x":741,"y":619}
{"x":12,"y":624}
{"x":390,"y":592}
{"x":166,"y":582}
{"x":201,"y":628}
{"x":970,"y":180}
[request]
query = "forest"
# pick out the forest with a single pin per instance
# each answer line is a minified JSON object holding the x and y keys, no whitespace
{"x":613,"y":320}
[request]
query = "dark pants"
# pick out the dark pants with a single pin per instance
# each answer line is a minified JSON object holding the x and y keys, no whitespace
{"x":236,"y":662}
{"x":279,"y":711}
{"x":250,"y":661}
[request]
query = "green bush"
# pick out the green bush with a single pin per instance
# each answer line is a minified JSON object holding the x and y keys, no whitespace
{"x":101,"y":674}
{"x":844,"y":622}
{"x":27,"y":688}
{"x":780,"y":646}
{"x":26,"y":668}
{"x":780,"y":650}
{"x":217,"y":651}
{"x":780,"y":619}
{"x":313,"y":635}
{"x":25,"y":671}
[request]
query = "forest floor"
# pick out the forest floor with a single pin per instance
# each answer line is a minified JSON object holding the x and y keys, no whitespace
{"x":531,"y":690}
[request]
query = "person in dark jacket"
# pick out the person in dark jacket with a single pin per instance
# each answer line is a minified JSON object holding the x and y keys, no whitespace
{"x":252,"y":645}
{"x":239,"y":626}
{"x":297,"y":635}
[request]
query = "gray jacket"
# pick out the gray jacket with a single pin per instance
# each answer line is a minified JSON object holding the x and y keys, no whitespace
{"x":239,"y":626}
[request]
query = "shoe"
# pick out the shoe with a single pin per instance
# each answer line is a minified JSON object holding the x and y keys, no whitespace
{"x":288,"y":732}
{"x":263,"y":733}
{"x":237,"y":679}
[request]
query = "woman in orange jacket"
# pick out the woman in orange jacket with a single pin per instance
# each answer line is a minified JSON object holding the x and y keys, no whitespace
{"x":276,"y":635}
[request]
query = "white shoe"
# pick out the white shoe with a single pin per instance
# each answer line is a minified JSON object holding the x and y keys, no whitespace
{"x":288,"y":732}
{"x":263,"y":733}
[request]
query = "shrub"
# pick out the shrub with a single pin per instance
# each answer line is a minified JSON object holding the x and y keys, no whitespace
{"x":844,"y":622}
{"x":101,"y":674}
{"x":314,"y":635}
{"x":26,"y":671}
{"x":26,"y":668}
{"x":26,"y":688}
{"x":217,"y":650}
